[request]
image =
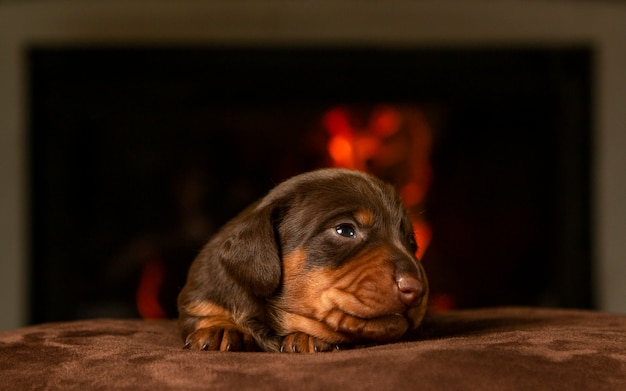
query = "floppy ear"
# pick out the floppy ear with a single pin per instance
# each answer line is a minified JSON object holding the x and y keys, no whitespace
{"x":250,"y":252}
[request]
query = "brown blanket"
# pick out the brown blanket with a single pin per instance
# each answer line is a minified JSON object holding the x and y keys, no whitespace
{"x":488,"y":349}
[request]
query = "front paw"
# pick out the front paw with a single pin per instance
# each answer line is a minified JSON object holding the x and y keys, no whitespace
{"x":304,"y":343}
{"x":220,"y":339}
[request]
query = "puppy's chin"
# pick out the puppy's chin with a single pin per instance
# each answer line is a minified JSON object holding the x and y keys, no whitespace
{"x":340,"y":327}
{"x":374,"y":327}
{"x":384,"y":328}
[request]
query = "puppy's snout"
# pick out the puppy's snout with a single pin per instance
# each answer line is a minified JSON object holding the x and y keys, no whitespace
{"x":410,"y":290}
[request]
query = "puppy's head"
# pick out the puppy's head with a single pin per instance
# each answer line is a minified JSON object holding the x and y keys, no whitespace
{"x":349,"y":271}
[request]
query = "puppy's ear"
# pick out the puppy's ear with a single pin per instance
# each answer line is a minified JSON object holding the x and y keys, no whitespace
{"x":250,"y":250}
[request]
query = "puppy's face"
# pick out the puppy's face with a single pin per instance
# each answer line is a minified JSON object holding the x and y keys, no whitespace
{"x":349,"y":271}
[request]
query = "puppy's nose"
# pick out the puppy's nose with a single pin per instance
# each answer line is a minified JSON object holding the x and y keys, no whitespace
{"x":410,"y":290}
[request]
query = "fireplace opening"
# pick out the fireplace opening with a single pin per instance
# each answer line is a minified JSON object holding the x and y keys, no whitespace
{"x":138,"y":155}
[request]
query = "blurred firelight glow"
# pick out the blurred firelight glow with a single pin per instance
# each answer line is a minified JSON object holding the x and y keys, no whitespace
{"x":396,"y":139}
{"x":150,"y":282}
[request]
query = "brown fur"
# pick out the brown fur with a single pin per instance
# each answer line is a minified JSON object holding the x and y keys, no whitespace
{"x":280,"y":277}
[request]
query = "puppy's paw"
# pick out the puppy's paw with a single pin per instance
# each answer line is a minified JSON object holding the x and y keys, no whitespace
{"x":222,"y":339}
{"x":304,"y":343}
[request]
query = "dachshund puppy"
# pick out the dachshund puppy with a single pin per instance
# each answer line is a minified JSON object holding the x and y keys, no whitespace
{"x":326,"y":258}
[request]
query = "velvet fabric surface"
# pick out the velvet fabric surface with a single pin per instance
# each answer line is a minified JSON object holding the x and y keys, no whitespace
{"x":486,"y":349}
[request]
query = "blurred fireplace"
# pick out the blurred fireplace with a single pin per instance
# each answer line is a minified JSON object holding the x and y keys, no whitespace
{"x":138,"y":155}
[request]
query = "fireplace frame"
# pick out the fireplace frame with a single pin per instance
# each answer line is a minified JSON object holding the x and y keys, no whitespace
{"x":396,"y":23}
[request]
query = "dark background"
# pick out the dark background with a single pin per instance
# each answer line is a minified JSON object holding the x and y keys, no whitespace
{"x":119,"y":135}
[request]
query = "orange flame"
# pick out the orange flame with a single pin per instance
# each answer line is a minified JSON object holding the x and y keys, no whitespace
{"x":147,"y":297}
{"x":355,"y":147}
{"x":341,"y":151}
{"x":423,"y":235}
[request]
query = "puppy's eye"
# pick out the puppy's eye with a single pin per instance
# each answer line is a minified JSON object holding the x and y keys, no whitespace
{"x":346,"y":230}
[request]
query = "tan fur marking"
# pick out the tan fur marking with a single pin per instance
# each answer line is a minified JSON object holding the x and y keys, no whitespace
{"x":206,"y":308}
{"x":293,"y":323}
{"x":293,"y":265}
{"x":364,"y":217}
{"x":216,"y":322}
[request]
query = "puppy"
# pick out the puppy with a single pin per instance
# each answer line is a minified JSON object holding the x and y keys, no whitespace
{"x":325,"y":259}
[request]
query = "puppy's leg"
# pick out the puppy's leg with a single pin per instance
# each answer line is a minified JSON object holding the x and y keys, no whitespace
{"x":207,"y":326}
